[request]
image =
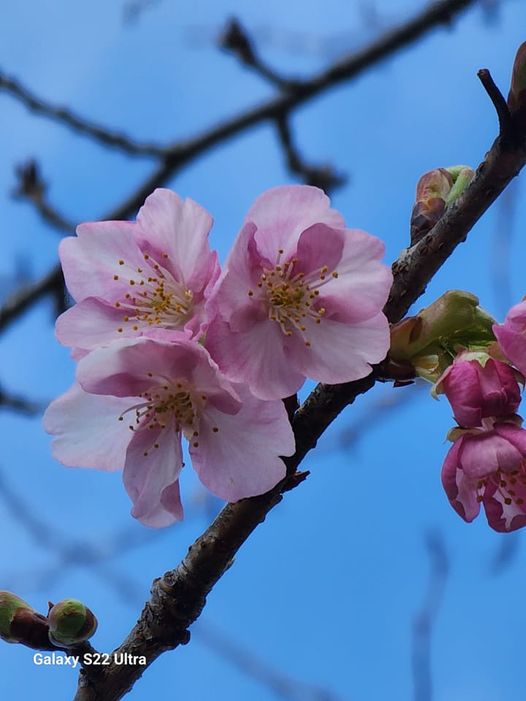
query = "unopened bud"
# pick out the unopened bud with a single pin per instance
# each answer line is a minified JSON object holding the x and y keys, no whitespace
{"x":20,"y":623}
{"x":70,"y":623}
{"x":435,"y":192}
{"x":462,"y":177}
{"x":517,"y":94}
{"x":431,"y":339}
{"x":430,"y":202}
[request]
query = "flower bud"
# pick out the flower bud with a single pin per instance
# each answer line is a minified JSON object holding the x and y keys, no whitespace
{"x":430,"y":202}
{"x":70,"y":623}
{"x":435,"y":192}
{"x":478,"y":387}
{"x":462,"y":177}
{"x":20,"y":623}
{"x":431,"y":339}
{"x":517,"y":94}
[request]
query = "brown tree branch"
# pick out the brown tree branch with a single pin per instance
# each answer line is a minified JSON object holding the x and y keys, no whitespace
{"x":179,"y":596}
{"x":181,"y":153}
{"x":65,"y":116}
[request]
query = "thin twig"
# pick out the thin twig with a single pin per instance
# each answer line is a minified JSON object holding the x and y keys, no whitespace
{"x":424,"y":620}
{"x":236,"y":40}
{"x":499,"y":102}
{"x":324,"y":176}
{"x":65,"y":116}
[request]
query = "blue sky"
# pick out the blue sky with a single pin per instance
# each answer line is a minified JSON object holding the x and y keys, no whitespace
{"x":326,"y":590}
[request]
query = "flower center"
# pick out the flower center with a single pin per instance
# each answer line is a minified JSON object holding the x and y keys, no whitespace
{"x":510,"y":485}
{"x":171,"y":402}
{"x":155,"y":297}
{"x":290,"y":295}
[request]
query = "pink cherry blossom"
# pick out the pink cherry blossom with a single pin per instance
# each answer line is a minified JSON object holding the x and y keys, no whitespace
{"x":302,"y":296}
{"x":479,"y":387}
{"x":131,"y":277}
{"x":139,"y":396}
{"x":512,"y":336}
{"x":488,"y":466}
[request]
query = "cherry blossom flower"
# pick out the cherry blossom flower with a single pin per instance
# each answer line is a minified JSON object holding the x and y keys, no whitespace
{"x":488,"y":466}
{"x":129,"y":278}
{"x":512,"y":336}
{"x":302,"y":296}
{"x":479,"y":387}
{"x":138,"y":397}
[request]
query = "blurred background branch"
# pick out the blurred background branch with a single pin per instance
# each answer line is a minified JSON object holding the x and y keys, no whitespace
{"x":181,"y":153}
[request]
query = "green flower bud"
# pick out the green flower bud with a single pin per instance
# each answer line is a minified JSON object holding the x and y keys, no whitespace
{"x":20,"y":623}
{"x":517,"y":94}
{"x":431,"y":339}
{"x":10,"y":606}
{"x":70,"y":623}
{"x":462,"y":177}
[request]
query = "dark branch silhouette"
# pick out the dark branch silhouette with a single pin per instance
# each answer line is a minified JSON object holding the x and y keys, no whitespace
{"x":19,"y":404}
{"x":65,"y":116}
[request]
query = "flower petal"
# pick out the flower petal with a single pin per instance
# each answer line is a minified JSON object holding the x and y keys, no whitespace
{"x":485,"y":453}
{"x":363,"y":283}
{"x":258,"y":357}
{"x":179,"y":228}
{"x":340,"y":352}
{"x":91,"y":260}
{"x":241,"y":458}
{"x":460,"y":490}
{"x":87,"y":431}
{"x":151,"y":480}
{"x":319,"y":246}
{"x":282,"y":213}
{"x":91,"y":323}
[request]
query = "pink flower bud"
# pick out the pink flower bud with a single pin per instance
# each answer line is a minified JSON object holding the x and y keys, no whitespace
{"x":487,"y":466}
{"x":478,"y":387}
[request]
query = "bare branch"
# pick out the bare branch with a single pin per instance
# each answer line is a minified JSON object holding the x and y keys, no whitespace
{"x":499,"y":101}
{"x":64,"y":116}
{"x":179,"y":596}
{"x":182,"y":153}
{"x":24,"y":298}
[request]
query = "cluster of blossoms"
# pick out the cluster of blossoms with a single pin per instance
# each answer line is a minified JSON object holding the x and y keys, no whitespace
{"x":168,"y":345}
{"x":487,"y":462}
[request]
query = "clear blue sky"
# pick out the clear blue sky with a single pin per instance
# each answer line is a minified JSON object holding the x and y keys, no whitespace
{"x":326,"y":590}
